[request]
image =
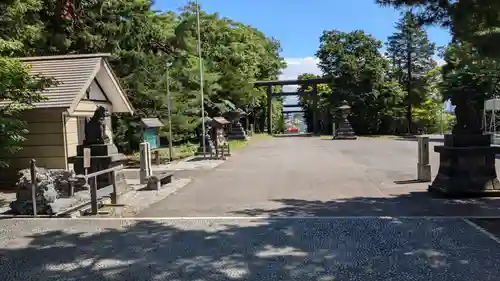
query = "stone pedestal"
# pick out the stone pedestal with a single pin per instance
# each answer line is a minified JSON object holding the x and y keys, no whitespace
{"x":424,"y":172}
{"x":209,"y":145}
{"x":103,"y":156}
{"x":467,"y":167}
{"x":344,"y":131}
{"x":236,"y":131}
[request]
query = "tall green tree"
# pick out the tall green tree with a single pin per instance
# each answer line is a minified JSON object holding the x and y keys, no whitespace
{"x":411,"y":53}
{"x":474,"y":21}
{"x":357,"y":69}
{"x":144,"y":43}
{"x":474,"y":25}
{"x":19,"y":27}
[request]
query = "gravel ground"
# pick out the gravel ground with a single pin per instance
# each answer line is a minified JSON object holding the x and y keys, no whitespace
{"x":137,"y":200}
{"x":253,"y":249}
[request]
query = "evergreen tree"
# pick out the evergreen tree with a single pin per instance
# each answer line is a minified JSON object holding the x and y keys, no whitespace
{"x":411,"y":53}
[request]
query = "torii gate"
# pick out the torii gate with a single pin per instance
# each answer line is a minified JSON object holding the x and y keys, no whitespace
{"x":270,"y":95}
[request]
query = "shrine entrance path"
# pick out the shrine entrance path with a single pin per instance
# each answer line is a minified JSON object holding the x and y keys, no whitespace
{"x":326,"y":198}
{"x":317,"y":177}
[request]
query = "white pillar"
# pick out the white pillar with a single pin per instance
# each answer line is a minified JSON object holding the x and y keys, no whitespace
{"x":423,"y":166}
{"x":145,"y":162}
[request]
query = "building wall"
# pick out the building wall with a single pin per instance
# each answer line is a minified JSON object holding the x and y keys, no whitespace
{"x":44,"y":143}
{"x":72,"y":135}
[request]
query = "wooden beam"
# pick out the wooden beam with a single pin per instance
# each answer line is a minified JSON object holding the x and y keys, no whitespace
{"x":270,"y":109}
{"x":291,"y":94}
{"x":292,"y":105}
{"x":315,"y":109}
{"x":293,"y":82}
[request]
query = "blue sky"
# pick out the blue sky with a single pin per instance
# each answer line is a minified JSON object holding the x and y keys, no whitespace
{"x":297,"y":24}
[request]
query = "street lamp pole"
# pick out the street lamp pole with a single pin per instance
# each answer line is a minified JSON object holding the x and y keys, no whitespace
{"x":169,"y":97}
{"x":201,"y":78}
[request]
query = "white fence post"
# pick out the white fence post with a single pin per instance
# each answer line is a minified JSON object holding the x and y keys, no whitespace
{"x":423,"y":166}
{"x":145,"y":162}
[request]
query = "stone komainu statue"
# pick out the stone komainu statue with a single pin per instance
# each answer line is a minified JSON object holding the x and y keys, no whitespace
{"x":468,"y":116}
{"x":95,"y":129}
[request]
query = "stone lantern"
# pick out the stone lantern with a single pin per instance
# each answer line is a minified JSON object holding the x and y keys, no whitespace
{"x":236,"y":130}
{"x":467,"y":159}
{"x":344,"y":131}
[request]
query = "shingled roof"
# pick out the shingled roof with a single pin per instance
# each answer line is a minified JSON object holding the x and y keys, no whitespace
{"x":74,"y":74}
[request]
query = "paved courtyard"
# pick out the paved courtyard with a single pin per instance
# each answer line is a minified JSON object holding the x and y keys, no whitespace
{"x":282,"y":209}
{"x":317,"y":177}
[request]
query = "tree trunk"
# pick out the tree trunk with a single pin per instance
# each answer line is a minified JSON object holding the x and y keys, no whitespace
{"x":409,"y":60}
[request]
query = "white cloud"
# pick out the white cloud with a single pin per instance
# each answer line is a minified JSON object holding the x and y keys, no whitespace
{"x":297,"y":66}
{"x":440,"y":62}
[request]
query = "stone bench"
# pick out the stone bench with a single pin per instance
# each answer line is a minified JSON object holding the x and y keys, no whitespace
{"x":158,"y":180}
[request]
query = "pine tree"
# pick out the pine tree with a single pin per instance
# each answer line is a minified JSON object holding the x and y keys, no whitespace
{"x":411,"y":53}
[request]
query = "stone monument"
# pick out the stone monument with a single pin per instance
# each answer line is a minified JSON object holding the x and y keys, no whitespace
{"x":221,"y":145}
{"x":467,"y":159}
{"x":344,"y":131}
{"x":209,"y":144}
{"x":104,"y":154}
{"x":50,"y":186}
{"x":45,"y":190}
{"x":236,"y":130}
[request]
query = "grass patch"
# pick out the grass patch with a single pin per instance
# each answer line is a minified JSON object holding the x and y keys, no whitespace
{"x":237,"y":144}
{"x":189,"y":149}
{"x":389,"y":137}
{"x":262,"y":136}
{"x":240,"y":144}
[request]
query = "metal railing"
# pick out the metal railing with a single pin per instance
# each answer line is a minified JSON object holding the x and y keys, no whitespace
{"x":97,"y":194}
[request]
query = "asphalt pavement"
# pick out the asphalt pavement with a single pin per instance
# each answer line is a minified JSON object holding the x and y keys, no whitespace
{"x":281,"y":209}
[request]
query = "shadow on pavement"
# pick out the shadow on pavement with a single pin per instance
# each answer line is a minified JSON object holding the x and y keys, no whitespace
{"x":431,"y":139}
{"x":412,"y":204}
{"x":264,"y":250}
{"x":408,"y":181}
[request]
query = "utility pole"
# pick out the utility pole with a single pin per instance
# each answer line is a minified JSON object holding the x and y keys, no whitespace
{"x":169,"y":98}
{"x":201,"y":78}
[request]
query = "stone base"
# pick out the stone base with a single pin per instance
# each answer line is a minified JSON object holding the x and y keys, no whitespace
{"x":424,"y":172}
{"x":98,"y":149}
{"x":103,"y":156}
{"x":157,"y":181}
{"x":237,"y":132}
{"x":466,"y":171}
{"x":345,"y":131}
{"x":345,"y":138}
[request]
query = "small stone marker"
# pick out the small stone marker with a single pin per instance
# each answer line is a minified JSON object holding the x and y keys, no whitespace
{"x":86,"y":158}
{"x":145,"y":162}
{"x":423,"y":166}
{"x":154,"y":183}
